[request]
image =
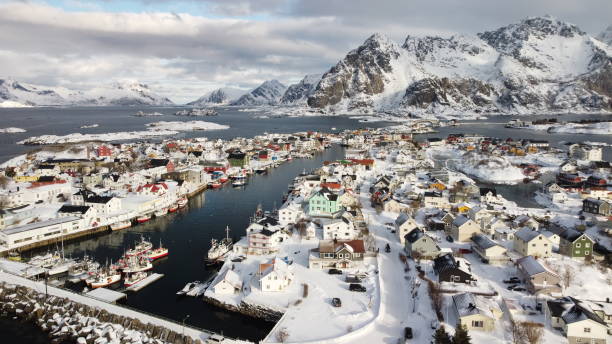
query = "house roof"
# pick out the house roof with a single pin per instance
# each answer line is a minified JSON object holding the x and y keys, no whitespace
{"x":36,"y":225}
{"x":73,"y":209}
{"x":533,"y":267}
{"x":483,"y":241}
{"x":460,"y":220}
{"x":526,"y":234}
{"x":231,"y":277}
{"x":470,"y":304}
{"x":354,"y":246}
{"x":448,"y":261}
{"x":414,"y":235}
{"x":572,"y":235}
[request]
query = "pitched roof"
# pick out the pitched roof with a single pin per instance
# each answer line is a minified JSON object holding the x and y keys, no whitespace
{"x":483,"y":241}
{"x":526,"y":234}
{"x":470,"y":304}
{"x":533,"y":267}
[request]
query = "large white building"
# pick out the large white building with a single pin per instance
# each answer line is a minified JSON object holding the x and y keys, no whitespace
{"x":19,"y":236}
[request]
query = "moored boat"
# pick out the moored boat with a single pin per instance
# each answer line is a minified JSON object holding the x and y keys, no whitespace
{"x":143,"y":218}
{"x":134,"y":278}
{"x":120,"y":225}
{"x":239,"y":182}
{"x":103,"y":279}
{"x":140,"y":248}
{"x":173,"y":208}
{"x":182,"y":202}
{"x":161,"y":212}
{"x":156,"y":253}
{"x":137,"y":264}
{"x":219,"y":248}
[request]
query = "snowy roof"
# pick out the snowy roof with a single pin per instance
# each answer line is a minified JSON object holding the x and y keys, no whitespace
{"x":526,"y":234}
{"x":460,"y":220}
{"x":232,"y":278}
{"x":533,"y":267}
{"x":579,"y":312}
{"x":333,"y":246}
{"x":36,"y":225}
{"x":483,"y":241}
{"x":403,"y":217}
{"x":470,"y":304}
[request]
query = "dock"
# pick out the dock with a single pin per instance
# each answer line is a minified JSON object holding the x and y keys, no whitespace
{"x":106,"y":295}
{"x":145,"y":282}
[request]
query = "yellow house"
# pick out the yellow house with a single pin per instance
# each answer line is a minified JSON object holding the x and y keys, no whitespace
{"x":463,"y":208}
{"x":437,"y":185}
{"x":25,"y":179}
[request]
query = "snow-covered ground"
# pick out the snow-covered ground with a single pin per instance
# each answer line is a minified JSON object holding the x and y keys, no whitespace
{"x":161,"y":128}
{"x":602,"y":128}
{"x":11,"y":130}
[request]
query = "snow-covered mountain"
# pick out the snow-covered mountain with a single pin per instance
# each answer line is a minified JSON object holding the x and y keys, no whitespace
{"x":118,"y":93}
{"x":297,"y":94}
{"x":606,"y":35}
{"x":268,"y":93}
{"x":220,"y":96}
{"x":537,"y":65}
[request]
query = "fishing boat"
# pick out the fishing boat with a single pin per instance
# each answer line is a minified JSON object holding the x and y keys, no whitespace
{"x":137,"y":264}
{"x":61,"y":266}
{"x":215,"y":184}
{"x":120,"y":225}
{"x":223,"y":178}
{"x":143,"y":218}
{"x":103,"y":278}
{"x":156,"y":253}
{"x":45,"y":261}
{"x":240,"y":175}
{"x":182,"y":202}
{"x":260,"y":170}
{"x":220,"y":247}
{"x":14,"y":256}
{"x":140,"y":248}
{"x":173,"y":208}
{"x":161,"y":212}
{"x":134,"y":278}
{"x":239,"y":182}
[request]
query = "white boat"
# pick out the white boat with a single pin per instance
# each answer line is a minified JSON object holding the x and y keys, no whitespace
{"x":182,"y":202}
{"x":161,"y":212}
{"x":187,"y":288}
{"x":121,"y":225}
{"x":135,"y":278}
{"x":103,"y":279}
{"x":61,"y":266}
{"x":137,"y":264}
{"x":198,"y":290}
{"x":45,"y":260}
{"x":220,"y":247}
{"x":239,"y":182}
{"x":143,"y":218}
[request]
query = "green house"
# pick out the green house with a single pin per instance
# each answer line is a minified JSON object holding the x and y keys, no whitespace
{"x":237,"y":158}
{"x":323,"y":203}
{"x":575,"y":244}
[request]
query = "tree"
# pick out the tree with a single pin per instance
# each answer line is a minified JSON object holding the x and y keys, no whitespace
{"x":461,"y":335}
{"x":441,"y":336}
{"x":516,"y":330}
{"x":437,"y":300}
{"x":533,"y":332}
{"x":568,"y":276}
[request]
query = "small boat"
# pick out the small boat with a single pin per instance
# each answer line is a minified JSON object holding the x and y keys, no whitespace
{"x":215,"y":184}
{"x":261,"y":170}
{"x":187,"y":288}
{"x":182,"y":202}
{"x":103,"y":279}
{"x":140,"y":248}
{"x":120,"y":225}
{"x":134,"y":278}
{"x":63,"y":265}
{"x":161,"y":212}
{"x":14,"y":256}
{"x":223,"y":178}
{"x":143,"y":218}
{"x":198,"y":290}
{"x":239,"y":182}
{"x":219,"y":247}
{"x":173,"y":208}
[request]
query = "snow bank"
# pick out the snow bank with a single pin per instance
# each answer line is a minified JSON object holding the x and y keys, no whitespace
{"x":12,"y":104}
{"x":186,"y":126}
{"x":11,"y":130}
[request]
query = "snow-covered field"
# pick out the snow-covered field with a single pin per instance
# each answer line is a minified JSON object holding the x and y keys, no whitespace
{"x":161,"y":128}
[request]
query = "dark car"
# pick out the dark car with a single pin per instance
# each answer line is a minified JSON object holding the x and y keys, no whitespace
{"x":512,"y":286}
{"x":357,"y":287}
{"x":407,"y":332}
{"x":336,"y":302}
{"x":512,"y":280}
{"x":335,"y":272}
{"x":519,"y":289}
{"x":449,"y":238}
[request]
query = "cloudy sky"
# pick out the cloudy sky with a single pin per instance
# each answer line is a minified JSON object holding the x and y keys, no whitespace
{"x":184,"y":48}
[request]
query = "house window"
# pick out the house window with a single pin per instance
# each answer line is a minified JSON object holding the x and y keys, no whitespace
{"x":477,"y":323}
{"x":587,"y":330}
{"x":586,"y":253}
{"x":587,"y":245}
{"x":577,"y":245}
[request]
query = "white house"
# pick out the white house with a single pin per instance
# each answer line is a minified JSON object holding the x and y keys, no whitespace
{"x":341,"y":229}
{"x":275,"y":275}
{"x":229,"y":282}
{"x":290,"y":213}
{"x":529,"y":242}
{"x":404,"y":224}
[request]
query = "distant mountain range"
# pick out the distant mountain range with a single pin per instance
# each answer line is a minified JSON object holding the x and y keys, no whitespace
{"x":539,"y":64}
{"x":120,"y":93}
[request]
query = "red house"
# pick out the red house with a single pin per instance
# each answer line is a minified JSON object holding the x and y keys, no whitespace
{"x":104,"y":151}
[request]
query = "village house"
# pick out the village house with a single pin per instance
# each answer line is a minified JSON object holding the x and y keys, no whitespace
{"x":463,"y":228}
{"x":538,"y":278}
{"x":340,"y":229}
{"x":597,"y":206}
{"x":274,"y":276}
{"x":476,"y":312}
{"x":23,"y":194}
{"x":228,"y":282}
{"x":529,"y":242}
{"x":420,"y":245}
{"x":442,"y":221}
{"x":433,"y":199}
{"x":575,"y":244}
{"x":290,"y":213}
{"x":452,"y":269}
{"x":403,"y":224}
{"x":338,"y":254}
{"x":15,"y":237}
{"x":488,"y":250}
{"x":265,"y":236}
{"x":576,"y":320}
{"x":585,"y":152}
{"x":324,"y":203}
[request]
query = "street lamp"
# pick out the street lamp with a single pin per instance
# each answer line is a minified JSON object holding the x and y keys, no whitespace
{"x":184,"y":319}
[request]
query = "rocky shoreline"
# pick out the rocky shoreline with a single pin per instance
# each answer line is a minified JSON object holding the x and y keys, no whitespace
{"x":64,"y":320}
{"x":254,"y":311}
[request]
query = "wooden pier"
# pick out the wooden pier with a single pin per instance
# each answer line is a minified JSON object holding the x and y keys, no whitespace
{"x":145,"y":282}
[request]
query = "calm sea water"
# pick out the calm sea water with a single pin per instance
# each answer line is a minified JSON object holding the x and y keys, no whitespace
{"x":187,"y":234}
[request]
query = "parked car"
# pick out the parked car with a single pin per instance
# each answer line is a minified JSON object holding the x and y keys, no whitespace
{"x":512,"y":280}
{"x":519,"y":289}
{"x":512,"y":286}
{"x":336,"y":302}
{"x":335,"y":272}
{"x":357,"y":287}
{"x":352,"y":279}
{"x":449,"y":238}
{"x":408,"y":333}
